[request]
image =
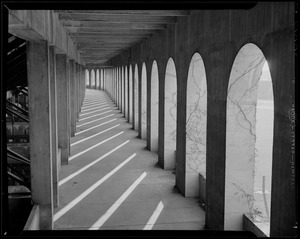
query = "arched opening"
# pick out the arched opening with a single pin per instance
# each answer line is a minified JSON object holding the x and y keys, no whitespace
{"x":144,"y":103}
{"x":87,"y":78}
{"x":249,"y":138}
{"x":136,"y":98}
{"x":196,"y":112}
{"x":154,"y":108}
{"x":264,"y":147}
{"x":126,"y":92}
{"x":101,"y":79}
{"x":97,"y":79}
{"x":170,"y":116}
{"x":93,"y":79}
{"x":130,"y":100}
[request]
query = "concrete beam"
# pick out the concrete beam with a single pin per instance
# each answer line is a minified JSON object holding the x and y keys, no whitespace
{"x":35,"y":25}
{"x":40,"y":131}
{"x":128,"y":12}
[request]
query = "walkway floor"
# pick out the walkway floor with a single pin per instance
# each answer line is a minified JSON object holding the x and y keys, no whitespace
{"x":112,"y":182}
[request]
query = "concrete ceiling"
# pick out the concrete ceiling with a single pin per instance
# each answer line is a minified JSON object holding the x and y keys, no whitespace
{"x":102,"y":34}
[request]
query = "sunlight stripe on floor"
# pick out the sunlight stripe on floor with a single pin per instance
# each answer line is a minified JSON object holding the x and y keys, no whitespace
{"x":98,"y":107}
{"x":95,"y":115}
{"x":95,"y":120}
{"x":95,"y":126}
{"x":94,"y":135}
{"x":117,"y":204}
{"x":94,"y":101}
{"x":66,"y":179}
{"x":154,"y":216}
{"x":88,"y":105}
{"x":74,"y":202}
{"x":94,"y":146}
{"x":93,"y":111}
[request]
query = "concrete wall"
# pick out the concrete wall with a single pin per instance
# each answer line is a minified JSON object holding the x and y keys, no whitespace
{"x":217,"y":37}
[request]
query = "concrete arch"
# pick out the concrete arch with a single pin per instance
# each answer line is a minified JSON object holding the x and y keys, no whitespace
{"x":154,"y":107}
{"x":130,"y":99}
{"x":241,"y":135}
{"x":196,"y":118}
{"x":136,"y":98}
{"x":144,"y":102}
{"x":170,"y":115}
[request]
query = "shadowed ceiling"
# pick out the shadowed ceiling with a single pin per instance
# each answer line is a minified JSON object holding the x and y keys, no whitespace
{"x":102,"y":34}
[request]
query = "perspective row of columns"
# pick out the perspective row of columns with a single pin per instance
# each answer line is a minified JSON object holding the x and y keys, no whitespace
{"x":95,"y":79}
{"x":56,"y":92}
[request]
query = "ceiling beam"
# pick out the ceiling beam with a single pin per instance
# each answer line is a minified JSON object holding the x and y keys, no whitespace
{"x":115,"y":26}
{"x":83,"y":46}
{"x":72,"y":30}
{"x":117,"y":18}
{"x":129,"y":12}
{"x":113,"y":34}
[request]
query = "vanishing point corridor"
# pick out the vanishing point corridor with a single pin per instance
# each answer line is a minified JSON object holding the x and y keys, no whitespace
{"x":112,"y":182}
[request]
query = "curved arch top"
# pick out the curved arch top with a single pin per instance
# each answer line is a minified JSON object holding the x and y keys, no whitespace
{"x":196,"y":115}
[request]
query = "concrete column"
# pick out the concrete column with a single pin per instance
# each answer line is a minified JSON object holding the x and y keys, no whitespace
{"x":40,"y":131}
{"x":117,"y":87}
{"x":77,"y":98}
{"x":126,"y":92}
{"x":97,"y":79}
{"x":120,"y":89}
{"x":82,"y":84}
{"x":62,"y":107}
{"x":112,"y":83}
{"x":53,"y":95}
{"x":104,"y":79}
{"x":90,"y":78}
{"x":72,"y":97}
{"x":101,"y":79}
{"x":68,"y":77}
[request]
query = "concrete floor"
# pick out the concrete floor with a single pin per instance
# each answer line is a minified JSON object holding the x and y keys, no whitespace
{"x":87,"y":196}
